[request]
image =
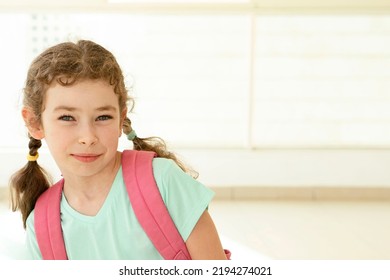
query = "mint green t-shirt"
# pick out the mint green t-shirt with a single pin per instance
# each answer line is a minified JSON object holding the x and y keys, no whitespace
{"x":114,"y":233}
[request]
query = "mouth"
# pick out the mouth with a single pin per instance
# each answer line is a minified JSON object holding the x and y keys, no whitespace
{"x":85,"y":157}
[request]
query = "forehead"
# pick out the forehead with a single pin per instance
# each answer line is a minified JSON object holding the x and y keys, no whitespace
{"x":85,"y":94}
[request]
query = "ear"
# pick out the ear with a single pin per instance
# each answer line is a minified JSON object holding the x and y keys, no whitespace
{"x":33,"y":125}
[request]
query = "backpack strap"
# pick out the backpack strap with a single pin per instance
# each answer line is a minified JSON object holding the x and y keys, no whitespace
{"x":47,"y":224}
{"x":149,"y":206}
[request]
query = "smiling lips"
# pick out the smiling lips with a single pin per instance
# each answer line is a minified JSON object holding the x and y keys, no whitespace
{"x":86,"y":157}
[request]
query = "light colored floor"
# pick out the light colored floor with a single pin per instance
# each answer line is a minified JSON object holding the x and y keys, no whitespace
{"x":306,"y":230}
{"x":275,"y":229}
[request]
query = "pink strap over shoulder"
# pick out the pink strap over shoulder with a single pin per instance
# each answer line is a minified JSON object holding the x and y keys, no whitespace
{"x":146,"y":201}
{"x":47,"y":224}
{"x":149,"y":206}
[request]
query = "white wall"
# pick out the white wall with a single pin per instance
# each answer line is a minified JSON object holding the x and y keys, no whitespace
{"x":262,"y":168}
{"x":249,"y":98}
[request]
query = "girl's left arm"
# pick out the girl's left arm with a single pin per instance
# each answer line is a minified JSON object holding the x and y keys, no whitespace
{"x":203,"y":242}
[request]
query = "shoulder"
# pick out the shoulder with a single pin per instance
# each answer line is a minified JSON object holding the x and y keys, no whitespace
{"x":176,"y":185}
{"x":162,"y":165}
{"x":31,"y":241}
{"x":167,"y":172}
{"x":30,"y":220}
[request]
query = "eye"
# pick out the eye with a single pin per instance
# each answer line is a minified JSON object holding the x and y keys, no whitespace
{"x":104,"y":118}
{"x":66,"y":118}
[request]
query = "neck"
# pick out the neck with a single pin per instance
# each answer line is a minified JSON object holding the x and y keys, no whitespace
{"x":86,"y":194}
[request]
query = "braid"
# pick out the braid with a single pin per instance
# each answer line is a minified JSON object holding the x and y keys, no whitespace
{"x":154,"y":144}
{"x":28,"y":183}
{"x":34,"y":145}
{"x":127,"y":126}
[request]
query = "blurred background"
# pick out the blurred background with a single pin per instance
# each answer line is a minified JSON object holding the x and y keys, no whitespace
{"x":282,"y":106}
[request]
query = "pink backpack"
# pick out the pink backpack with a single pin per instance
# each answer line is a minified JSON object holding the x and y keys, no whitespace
{"x":146,"y":201}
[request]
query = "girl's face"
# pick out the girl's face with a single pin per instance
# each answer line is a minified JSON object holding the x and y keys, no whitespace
{"x":81,"y":124}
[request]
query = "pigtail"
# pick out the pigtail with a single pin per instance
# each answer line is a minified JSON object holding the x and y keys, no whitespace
{"x":154,"y":144}
{"x":28,"y":183}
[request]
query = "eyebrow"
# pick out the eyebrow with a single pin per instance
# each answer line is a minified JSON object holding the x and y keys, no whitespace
{"x":106,"y":108}
{"x":72,"y":109}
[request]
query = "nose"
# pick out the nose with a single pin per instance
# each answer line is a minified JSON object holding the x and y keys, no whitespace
{"x":87,"y":135}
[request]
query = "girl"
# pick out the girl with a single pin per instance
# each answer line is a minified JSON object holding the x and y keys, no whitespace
{"x":75,"y":98}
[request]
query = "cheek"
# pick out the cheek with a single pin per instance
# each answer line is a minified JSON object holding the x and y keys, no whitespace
{"x":110,"y":135}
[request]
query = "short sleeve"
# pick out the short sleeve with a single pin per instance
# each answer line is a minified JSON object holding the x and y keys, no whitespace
{"x":185,"y":197}
{"x":31,"y":240}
